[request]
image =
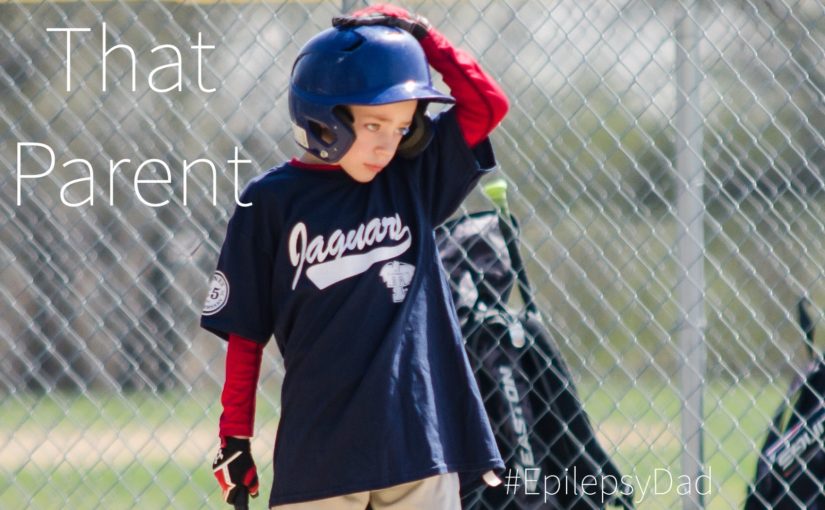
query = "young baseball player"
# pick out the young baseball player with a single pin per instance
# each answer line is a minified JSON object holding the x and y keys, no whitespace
{"x":336,"y":258}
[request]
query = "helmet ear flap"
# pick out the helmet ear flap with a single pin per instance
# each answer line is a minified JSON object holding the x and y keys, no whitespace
{"x":420,"y":134}
{"x":328,"y":141}
{"x":344,"y":114}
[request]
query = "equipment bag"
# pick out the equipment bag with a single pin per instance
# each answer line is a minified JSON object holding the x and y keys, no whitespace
{"x":790,"y":471}
{"x":542,"y":430}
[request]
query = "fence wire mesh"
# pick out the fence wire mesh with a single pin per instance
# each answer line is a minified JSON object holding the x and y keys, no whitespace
{"x":127,"y":128}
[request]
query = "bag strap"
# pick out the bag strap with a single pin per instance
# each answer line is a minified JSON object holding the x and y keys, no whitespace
{"x":509,"y":229}
{"x":807,"y":326}
{"x":497,"y":192}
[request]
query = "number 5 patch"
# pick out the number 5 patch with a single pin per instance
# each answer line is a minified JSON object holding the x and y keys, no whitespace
{"x":218,"y":294}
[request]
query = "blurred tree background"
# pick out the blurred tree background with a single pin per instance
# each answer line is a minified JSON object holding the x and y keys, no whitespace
{"x":109,"y":295}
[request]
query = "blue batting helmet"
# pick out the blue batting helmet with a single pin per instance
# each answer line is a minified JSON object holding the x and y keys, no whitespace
{"x":364,"y":65}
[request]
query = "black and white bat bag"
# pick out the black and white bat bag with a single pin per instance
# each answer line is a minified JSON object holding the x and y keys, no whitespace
{"x":790,"y":471}
{"x":541,"y":428}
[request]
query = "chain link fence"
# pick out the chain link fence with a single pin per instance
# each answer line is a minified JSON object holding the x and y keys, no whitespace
{"x":664,"y":160}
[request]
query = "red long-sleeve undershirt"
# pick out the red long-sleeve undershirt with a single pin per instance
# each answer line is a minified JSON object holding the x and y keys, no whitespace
{"x":480,"y":106}
{"x":243,"y":368}
{"x":480,"y":103}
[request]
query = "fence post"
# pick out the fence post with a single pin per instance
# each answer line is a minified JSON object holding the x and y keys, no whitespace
{"x":690,"y":237}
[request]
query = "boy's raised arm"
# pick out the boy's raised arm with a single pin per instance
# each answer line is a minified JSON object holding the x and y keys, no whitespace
{"x":480,"y":102}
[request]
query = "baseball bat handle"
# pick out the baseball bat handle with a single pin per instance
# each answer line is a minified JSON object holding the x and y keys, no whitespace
{"x":496,"y":191}
{"x":242,"y":499}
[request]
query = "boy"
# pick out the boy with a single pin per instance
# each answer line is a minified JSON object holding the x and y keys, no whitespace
{"x":336,"y":257}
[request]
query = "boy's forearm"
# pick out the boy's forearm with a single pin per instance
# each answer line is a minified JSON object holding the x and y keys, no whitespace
{"x":481,"y":104}
{"x":243,"y":368}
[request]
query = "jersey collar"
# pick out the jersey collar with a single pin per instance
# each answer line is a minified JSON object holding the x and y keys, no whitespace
{"x":297,"y":163}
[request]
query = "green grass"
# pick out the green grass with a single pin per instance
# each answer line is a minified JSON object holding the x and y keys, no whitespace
{"x":637,"y":422}
{"x":641,"y":423}
{"x":140,"y":485}
{"x":102,"y":453}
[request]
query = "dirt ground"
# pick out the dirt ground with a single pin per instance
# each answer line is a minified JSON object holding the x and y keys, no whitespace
{"x":114,"y":448}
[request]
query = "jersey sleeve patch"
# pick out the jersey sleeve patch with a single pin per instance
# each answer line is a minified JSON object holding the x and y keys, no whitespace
{"x":218,"y":294}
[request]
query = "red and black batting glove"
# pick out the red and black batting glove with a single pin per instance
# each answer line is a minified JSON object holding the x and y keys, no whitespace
{"x":387,"y":15}
{"x":234,"y":468}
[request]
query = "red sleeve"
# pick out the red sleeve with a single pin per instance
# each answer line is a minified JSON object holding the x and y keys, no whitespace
{"x":243,"y":368}
{"x":480,"y":102}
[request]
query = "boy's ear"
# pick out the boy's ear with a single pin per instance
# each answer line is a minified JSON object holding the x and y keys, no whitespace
{"x":322,"y":133}
{"x":420,"y":135}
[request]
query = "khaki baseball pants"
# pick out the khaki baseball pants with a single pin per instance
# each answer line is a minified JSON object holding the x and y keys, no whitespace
{"x":436,"y":492}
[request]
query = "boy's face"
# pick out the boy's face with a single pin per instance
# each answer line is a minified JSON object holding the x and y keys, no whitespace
{"x":378,"y":131}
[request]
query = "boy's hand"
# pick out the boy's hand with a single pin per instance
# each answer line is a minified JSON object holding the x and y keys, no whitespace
{"x":387,"y":15}
{"x":234,"y":467}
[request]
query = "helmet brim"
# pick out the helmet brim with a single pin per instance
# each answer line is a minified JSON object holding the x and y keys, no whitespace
{"x":408,"y":91}
{"x":404,"y":92}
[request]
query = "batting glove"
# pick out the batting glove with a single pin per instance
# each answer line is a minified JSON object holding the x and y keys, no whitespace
{"x":234,"y":467}
{"x":387,"y":15}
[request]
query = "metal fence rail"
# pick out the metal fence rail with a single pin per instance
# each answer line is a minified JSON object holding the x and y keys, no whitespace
{"x":664,"y":160}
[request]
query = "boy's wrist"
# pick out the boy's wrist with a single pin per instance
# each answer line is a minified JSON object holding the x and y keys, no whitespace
{"x":236,"y":429}
{"x":235,"y":443}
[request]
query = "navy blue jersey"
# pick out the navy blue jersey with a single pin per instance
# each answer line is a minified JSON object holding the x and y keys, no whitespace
{"x":378,"y":390}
